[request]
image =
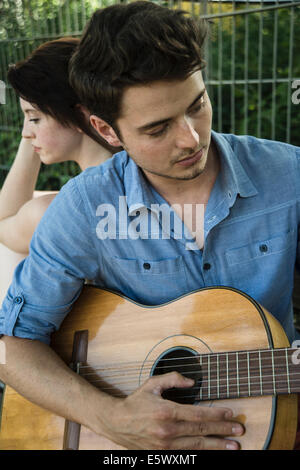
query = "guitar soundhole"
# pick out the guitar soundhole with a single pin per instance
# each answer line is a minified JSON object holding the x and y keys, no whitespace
{"x":186,"y":362}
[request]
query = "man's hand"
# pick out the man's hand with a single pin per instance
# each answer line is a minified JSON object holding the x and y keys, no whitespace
{"x":144,"y":420}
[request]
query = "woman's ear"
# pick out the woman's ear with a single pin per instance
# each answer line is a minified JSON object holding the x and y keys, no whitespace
{"x":105,"y":130}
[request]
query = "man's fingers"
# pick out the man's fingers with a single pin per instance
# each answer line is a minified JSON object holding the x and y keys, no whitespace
{"x":179,"y":426}
{"x":205,"y":443}
{"x":208,"y":428}
{"x":201,"y":414}
{"x":179,"y":412}
{"x":157,"y":384}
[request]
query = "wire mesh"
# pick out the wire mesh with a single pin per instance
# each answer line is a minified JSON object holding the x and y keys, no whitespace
{"x":251,"y":59}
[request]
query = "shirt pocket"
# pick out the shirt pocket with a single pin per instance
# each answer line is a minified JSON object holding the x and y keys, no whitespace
{"x":151,"y":282}
{"x":266,"y":248}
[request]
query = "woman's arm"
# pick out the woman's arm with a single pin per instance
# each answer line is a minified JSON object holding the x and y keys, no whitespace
{"x":21,"y":180}
{"x":20,"y":212}
{"x":17,"y":230}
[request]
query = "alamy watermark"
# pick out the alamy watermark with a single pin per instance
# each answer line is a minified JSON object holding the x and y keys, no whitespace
{"x":2,"y":92}
{"x":296,"y":93}
{"x":295,"y":356}
{"x":161,"y":222}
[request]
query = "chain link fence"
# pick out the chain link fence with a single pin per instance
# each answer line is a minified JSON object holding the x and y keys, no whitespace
{"x":251,"y":56}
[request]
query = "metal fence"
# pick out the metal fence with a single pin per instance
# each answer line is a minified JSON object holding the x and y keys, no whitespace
{"x":252,"y":61}
{"x":258,"y":88}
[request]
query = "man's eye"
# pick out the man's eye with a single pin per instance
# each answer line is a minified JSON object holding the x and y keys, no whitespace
{"x":159,"y":132}
{"x":34,"y":120}
{"x":199,"y":106}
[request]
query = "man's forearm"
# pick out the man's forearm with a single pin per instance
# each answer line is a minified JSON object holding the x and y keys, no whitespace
{"x":143,"y":420}
{"x":34,"y":370}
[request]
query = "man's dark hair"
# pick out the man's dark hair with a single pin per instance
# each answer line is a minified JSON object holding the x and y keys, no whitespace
{"x":137,"y":43}
{"x":42,"y":79}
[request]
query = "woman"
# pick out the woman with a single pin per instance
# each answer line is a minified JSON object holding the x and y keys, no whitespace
{"x":55,"y":130}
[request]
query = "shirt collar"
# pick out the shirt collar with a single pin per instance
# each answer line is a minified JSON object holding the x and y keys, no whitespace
{"x":233,"y":176}
{"x":137,"y":189}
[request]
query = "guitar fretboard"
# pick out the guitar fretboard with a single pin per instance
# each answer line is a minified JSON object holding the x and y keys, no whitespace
{"x":249,"y":373}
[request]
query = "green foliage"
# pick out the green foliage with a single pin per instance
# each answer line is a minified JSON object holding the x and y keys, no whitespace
{"x":24,"y":25}
{"x":261,"y":109}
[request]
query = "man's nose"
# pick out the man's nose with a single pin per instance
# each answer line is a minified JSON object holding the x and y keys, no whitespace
{"x":186,"y":136}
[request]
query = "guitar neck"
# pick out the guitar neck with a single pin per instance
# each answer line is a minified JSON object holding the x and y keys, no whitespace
{"x":249,"y":373}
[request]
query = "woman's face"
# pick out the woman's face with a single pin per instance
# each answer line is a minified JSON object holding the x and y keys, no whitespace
{"x":53,"y":142}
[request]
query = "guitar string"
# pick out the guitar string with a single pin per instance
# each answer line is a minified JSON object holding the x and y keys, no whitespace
{"x":223,"y":378}
{"x":191,"y":364}
{"x":229,"y":381}
{"x":214,"y":396}
{"x":264,"y":382}
{"x":213,"y":392}
{"x":202,"y":366}
{"x":231,"y":375}
{"x":212,"y":356}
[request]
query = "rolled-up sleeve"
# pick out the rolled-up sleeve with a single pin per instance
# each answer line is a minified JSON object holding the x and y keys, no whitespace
{"x":47,"y":283}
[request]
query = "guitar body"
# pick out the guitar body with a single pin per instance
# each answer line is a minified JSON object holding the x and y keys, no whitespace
{"x":131,"y":337}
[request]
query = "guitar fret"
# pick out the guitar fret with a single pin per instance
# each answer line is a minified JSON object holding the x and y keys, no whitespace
{"x":218,"y":377}
{"x":273,"y":372}
{"x":237,"y":373}
{"x":200,"y":390}
{"x":287,"y":370}
{"x":281,"y":369}
{"x":248,"y":366}
{"x":266,"y":365}
{"x":227,"y":377}
{"x":260,"y":374}
{"x":208,"y":377}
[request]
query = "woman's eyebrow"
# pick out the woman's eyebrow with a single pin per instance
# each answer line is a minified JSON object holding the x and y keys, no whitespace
{"x":29,"y":110}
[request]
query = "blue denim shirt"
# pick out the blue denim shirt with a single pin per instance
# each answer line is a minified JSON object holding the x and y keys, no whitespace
{"x":98,"y":228}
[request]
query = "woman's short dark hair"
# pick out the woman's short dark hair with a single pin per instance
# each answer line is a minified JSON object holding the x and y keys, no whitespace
{"x":131,"y":44}
{"x":42,"y":80}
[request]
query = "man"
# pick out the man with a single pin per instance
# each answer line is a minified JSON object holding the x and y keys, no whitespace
{"x":138,"y":73}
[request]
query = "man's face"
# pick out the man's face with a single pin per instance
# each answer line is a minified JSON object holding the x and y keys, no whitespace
{"x":166,"y":127}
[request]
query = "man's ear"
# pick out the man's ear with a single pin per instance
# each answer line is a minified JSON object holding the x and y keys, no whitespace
{"x":85,"y":113}
{"x":105,"y":130}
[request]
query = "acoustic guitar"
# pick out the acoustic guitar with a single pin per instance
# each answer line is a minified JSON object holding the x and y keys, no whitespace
{"x":236,"y":352}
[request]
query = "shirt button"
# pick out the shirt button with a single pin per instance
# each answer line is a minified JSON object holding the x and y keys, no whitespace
{"x":263,"y":248}
{"x":18,"y":300}
{"x":206,"y":266}
{"x":146,"y":266}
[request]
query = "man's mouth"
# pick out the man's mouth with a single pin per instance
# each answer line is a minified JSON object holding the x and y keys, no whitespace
{"x":191,"y":159}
